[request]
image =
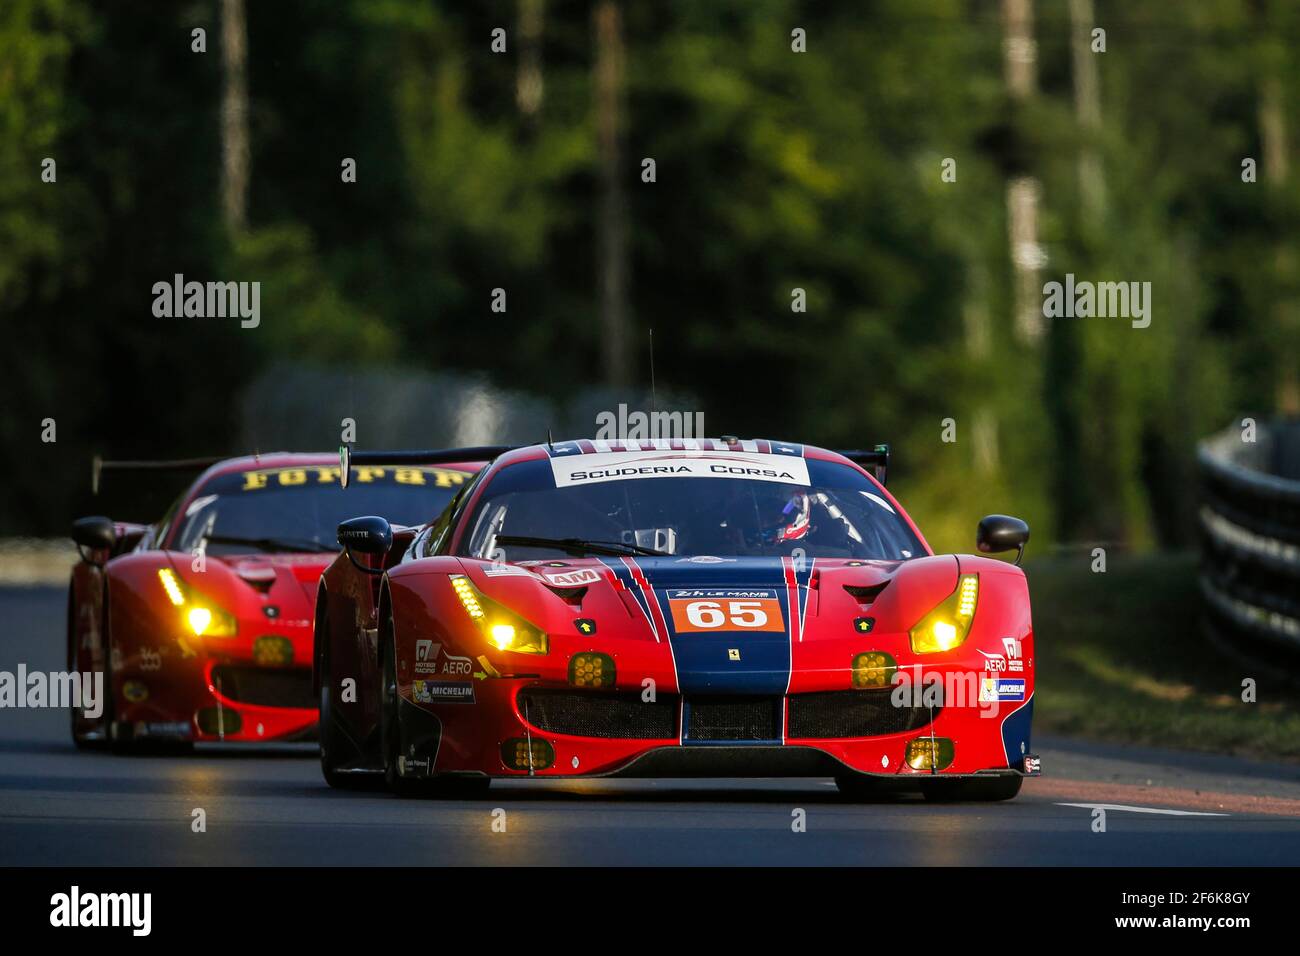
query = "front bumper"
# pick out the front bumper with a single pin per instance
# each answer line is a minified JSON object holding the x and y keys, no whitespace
{"x":210,"y":700}
{"x":563,"y":732}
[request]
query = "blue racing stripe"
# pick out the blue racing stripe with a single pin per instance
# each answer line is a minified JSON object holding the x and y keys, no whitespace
{"x":725,"y":660}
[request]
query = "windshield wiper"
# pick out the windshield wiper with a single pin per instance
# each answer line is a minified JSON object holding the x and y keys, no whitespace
{"x":579,"y":546}
{"x":274,"y":544}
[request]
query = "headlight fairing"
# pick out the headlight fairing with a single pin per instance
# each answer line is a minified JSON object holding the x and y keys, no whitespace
{"x":947,"y":625}
{"x":198,"y":617}
{"x":501,"y":627}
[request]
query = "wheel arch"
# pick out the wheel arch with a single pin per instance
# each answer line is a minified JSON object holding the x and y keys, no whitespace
{"x":320,"y":634}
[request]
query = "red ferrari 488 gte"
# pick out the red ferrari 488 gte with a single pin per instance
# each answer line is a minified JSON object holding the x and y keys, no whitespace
{"x":674,"y":608}
{"x":202,"y":622}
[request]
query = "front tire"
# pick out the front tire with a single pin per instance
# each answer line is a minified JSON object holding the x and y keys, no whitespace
{"x":336,"y":747}
{"x":79,"y":736}
{"x":390,"y":727}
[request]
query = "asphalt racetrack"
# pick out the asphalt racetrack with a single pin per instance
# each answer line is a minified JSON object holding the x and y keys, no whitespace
{"x":270,"y":806}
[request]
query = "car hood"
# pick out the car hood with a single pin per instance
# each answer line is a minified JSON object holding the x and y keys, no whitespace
{"x":810,"y":599}
{"x":264,"y":587}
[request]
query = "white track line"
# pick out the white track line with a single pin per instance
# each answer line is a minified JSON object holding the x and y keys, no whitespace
{"x":1120,"y":806}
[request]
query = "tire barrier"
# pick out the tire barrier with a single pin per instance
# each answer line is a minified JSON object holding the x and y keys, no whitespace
{"x":1249,"y":529}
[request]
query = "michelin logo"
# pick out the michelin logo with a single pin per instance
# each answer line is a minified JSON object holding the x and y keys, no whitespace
{"x":1001,"y":688}
{"x":443,"y":692}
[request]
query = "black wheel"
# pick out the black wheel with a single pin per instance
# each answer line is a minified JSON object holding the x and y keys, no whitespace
{"x":390,"y":728}
{"x":336,"y":747}
{"x":972,"y":789}
{"x":390,"y":731}
{"x":79,"y":737}
{"x":118,"y":737}
{"x":84,"y":742}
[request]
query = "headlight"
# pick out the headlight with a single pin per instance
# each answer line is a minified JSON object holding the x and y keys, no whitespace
{"x":504,"y":629}
{"x":198,"y":617}
{"x":172,"y":586}
{"x":947,"y":625}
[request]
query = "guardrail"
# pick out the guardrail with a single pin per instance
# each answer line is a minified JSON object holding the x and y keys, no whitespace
{"x":1249,"y":520}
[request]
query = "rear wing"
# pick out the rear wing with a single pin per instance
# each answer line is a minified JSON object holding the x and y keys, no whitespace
{"x":434,"y":456}
{"x":98,"y":466}
{"x":877,"y":459}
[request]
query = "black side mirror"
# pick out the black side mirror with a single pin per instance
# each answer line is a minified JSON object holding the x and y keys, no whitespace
{"x":97,"y":533}
{"x":1002,"y":533}
{"x":366,"y":535}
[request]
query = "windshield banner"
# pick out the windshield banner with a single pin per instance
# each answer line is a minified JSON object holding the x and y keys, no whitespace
{"x":619,"y":466}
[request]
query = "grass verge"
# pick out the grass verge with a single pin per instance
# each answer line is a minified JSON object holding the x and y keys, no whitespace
{"x":1121,"y":656}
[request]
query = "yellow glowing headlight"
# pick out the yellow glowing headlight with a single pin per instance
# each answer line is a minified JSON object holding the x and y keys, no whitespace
{"x":201,"y":619}
{"x":172,"y":586}
{"x":504,"y":629}
{"x":947,"y":625}
{"x":468,"y":596}
{"x":210,"y":622}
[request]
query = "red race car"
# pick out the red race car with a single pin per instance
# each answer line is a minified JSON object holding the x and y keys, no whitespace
{"x":202,"y":621}
{"x":674,"y":608}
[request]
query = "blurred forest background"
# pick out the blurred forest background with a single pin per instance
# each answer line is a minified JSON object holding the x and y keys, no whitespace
{"x":775,"y":170}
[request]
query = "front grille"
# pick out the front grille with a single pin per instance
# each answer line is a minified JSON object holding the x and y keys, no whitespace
{"x":594,"y":714}
{"x":733,"y":718}
{"x":265,"y":687}
{"x":827,"y":715}
{"x":852,"y":713}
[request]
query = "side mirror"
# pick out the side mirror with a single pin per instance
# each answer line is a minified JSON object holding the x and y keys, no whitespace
{"x":1002,"y":533}
{"x":366,"y":535}
{"x":97,"y":533}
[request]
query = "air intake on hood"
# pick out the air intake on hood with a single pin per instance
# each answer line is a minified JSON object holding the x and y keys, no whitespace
{"x":572,"y":596}
{"x":260,"y":577}
{"x":866,"y":594}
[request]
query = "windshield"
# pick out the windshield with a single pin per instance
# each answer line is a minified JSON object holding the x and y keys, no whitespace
{"x":715,"y":505}
{"x":299,"y":509}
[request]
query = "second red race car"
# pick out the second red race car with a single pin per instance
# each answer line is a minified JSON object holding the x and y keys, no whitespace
{"x":675,"y":608}
{"x":202,"y":621}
